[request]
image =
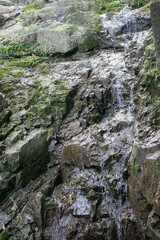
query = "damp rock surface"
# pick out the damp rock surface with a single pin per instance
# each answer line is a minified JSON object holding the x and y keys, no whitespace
{"x":77,"y":146}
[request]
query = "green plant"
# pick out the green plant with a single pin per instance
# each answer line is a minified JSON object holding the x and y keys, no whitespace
{"x":139,"y":3}
{"x":4,"y":160}
{"x":137,"y":167}
{"x":34,"y":4}
{"x":107,"y":6}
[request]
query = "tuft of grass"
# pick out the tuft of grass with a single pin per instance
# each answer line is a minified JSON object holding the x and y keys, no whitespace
{"x":104,"y":6}
{"x":139,"y":3}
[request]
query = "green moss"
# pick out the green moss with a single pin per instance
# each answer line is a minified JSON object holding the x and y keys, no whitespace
{"x":46,"y":107}
{"x":104,"y":6}
{"x":4,"y":235}
{"x":43,"y":69}
{"x":9,"y":72}
{"x":6,"y":88}
{"x":27,"y":61}
{"x":146,"y":8}
{"x":89,"y":43}
{"x":16,"y":74}
{"x":139,"y":3}
{"x":98,"y":25}
{"x":6,"y":175}
{"x":1,"y":75}
{"x":137,"y":167}
{"x":12,"y":50}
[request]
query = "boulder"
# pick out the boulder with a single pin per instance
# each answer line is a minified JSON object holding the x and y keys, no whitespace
{"x":54,"y":29}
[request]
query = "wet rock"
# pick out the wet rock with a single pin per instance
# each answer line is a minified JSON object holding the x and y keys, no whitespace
{"x":4,"y":218}
{"x":155,"y":7}
{"x":75,"y":155}
{"x":29,"y":153}
{"x":89,"y":99}
{"x":5,"y":117}
{"x":126,"y":21}
{"x":24,"y":205}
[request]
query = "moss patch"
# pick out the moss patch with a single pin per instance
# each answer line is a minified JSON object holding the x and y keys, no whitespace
{"x":30,"y":61}
{"x":89,"y":43}
{"x":4,"y":235}
{"x":104,"y":6}
{"x":139,"y":3}
{"x":12,"y":50}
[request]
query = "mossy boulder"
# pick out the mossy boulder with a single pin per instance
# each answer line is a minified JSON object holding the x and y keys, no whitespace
{"x":54,"y":29}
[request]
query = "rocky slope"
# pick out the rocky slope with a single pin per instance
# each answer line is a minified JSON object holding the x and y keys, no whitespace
{"x":73,"y":80}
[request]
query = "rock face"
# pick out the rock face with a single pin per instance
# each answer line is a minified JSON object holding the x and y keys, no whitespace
{"x":24,"y":160}
{"x":155,"y":8}
{"x":99,"y":178}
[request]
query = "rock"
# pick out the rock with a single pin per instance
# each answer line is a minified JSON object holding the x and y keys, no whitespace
{"x":81,"y":207}
{"x":38,"y":139}
{"x":144,"y":181}
{"x":75,"y":155}
{"x":124,"y":1}
{"x":29,"y":153}
{"x":126,"y":21}
{"x":5,"y":117}
{"x":6,"y":2}
{"x":87,"y":99}
{"x":9,"y":12}
{"x":60,"y":34}
{"x":13,"y":138}
{"x":155,"y":18}
{"x":3,"y":102}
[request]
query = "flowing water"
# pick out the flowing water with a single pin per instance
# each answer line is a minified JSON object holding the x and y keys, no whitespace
{"x":108,"y":143}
